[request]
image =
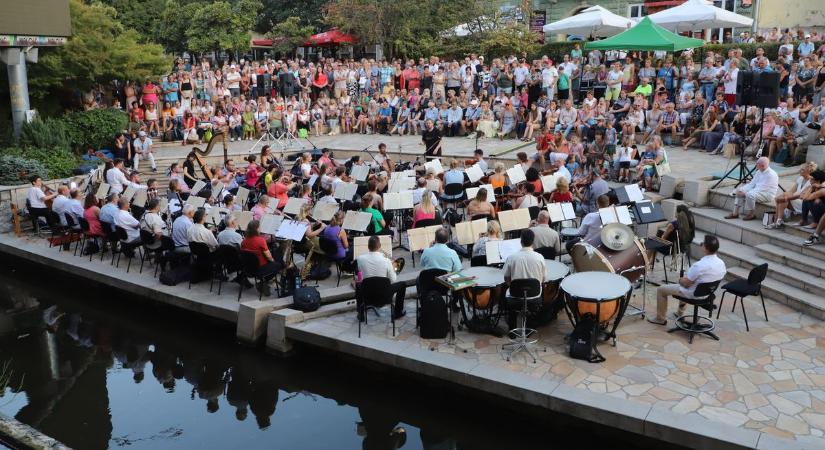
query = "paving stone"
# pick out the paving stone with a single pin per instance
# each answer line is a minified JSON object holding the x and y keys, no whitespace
{"x":743,"y":385}
{"x":792,"y":425}
{"x":723,"y":415}
{"x":687,"y":405}
{"x":784,"y":405}
{"x":800,"y":397}
{"x":815,"y":420}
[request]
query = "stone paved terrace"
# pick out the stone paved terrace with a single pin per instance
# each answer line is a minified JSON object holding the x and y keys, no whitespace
{"x":770,"y":380}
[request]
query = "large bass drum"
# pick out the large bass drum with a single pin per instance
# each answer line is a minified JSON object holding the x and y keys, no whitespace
{"x":593,"y":255}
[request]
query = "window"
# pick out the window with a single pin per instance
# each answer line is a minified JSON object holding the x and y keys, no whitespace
{"x":636,"y":11}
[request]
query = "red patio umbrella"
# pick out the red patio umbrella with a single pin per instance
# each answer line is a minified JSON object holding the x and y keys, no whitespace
{"x":328,"y":38}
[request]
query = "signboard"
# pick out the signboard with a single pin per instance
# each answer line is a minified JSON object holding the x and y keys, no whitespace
{"x":537,"y":21}
{"x":10,"y":40}
{"x":36,"y":18}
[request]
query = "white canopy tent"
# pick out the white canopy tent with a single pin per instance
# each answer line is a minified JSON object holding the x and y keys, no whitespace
{"x":593,"y":21}
{"x":694,"y":15}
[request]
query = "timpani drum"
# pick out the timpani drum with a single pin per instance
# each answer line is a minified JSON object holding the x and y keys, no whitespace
{"x":593,"y":255}
{"x":569,"y":233}
{"x":601,"y":294}
{"x":554,"y":272}
{"x":479,"y":313}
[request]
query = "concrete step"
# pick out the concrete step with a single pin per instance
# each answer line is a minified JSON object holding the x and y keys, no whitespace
{"x":752,"y":233}
{"x":806,"y":289}
{"x":791,"y":259}
{"x":802,"y":301}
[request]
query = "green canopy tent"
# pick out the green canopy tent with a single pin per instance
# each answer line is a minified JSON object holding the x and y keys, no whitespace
{"x":646,"y":35}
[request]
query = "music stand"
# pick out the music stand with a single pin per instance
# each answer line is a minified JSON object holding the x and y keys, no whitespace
{"x":266,"y":134}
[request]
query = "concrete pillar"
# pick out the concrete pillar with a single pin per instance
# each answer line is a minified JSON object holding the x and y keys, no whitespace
{"x":696,"y":192}
{"x":277,"y":321}
{"x":669,"y":185}
{"x":252,"y":321}
{"x":15,"y":60}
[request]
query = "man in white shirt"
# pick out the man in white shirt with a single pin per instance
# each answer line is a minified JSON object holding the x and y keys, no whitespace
{"x":199,"y":233}
{"x":549,"y":75}
{"x":37,"y":200}
{"x":709,"y":268}
{"x":525,"y":263}
{"x":591,"y":225}
{"x":75,"y":207}
{"x":233,"y":81}
{"x":419,"y":192}
{"x":127,"y":221}
{"x":762,"y":188}
{"x":567,"y":117}
{"x":561,"y":169}
{"x":143,"y":149}
{"x":230,"y":235}
{"x":545,"y":237}
{"x":154,"y":223}
{"x":61,"y":203}
{"x":180,"y":229}
{"x":115,"y":177}
{"x":376,"y":264}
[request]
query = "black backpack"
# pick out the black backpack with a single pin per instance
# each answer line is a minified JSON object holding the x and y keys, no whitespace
{"x":306,"y":299}
{"x":433,"y":320}
{"x":453,"y":217}
{"x":583,"y":339}
{"x":320,"y":271}
{"x":175,"y":275}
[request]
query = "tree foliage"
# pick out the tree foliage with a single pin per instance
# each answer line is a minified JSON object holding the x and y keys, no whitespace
{"x":175,"y":19}
{"x":276,"y":11}
{"x":137,"y":15}
{"x":290,"y":34}
{"x":100,"y":50}
{"x":222,"y":26}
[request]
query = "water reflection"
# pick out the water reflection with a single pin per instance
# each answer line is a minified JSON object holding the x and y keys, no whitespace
{"x":80,"y":366}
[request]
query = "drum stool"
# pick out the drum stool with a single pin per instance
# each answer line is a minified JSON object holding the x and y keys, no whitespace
{"x":703,"y":297}
{"x":522,"y":293}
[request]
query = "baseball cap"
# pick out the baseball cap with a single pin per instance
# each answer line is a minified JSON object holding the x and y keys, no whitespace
{"x":141,"y":133}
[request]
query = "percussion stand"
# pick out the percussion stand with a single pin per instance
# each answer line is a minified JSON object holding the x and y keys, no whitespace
{"x":637,"y":310}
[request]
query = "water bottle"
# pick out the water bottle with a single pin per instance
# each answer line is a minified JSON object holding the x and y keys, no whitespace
{"x":360,"y":276}
{"x":297,"y":283}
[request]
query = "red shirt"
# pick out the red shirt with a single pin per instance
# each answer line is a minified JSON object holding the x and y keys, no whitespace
{"x":252,"y":175}
{"x":278,"y":190}
{"x":558,"y":197}
{"x":256,"y":245}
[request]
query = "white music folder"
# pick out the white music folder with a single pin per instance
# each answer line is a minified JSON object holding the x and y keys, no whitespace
{"x":516,"y":174}
{"x":474,"y":173}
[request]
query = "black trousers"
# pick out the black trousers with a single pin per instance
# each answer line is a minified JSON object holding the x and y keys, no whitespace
{"x":34,"y":213}
{"x":400,"y":290}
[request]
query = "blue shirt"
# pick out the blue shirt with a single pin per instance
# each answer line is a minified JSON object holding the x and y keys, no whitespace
{"x":454,"y":115}
{"x":107,"y":214}
{"x":171,"y":96}
{"x":385,"y":112}
{"x":453,"y":176}
{"x":439,"y":256}
{"x":667,"y":74}
{"x":431,"y":114}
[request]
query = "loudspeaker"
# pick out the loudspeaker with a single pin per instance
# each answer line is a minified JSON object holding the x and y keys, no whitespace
{"x":760,"y":89}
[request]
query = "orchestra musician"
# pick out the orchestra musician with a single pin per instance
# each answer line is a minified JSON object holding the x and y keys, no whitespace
{"x":431,"y":138}
{"x":37,"y":198}
{"x":383,"y":161}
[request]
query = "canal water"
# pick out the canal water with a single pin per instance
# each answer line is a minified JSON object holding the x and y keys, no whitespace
{"x":96,"y":370}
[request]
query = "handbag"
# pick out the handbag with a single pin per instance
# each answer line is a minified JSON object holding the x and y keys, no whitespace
{"x":306,"y":299}
{"x":662,"y":169}
{"x":730,"y":151}
{"x":768,"y":218}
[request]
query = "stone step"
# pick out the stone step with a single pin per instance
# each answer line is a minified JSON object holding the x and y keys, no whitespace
{"x":802,"y":301}
{"x":752,"y":233}
{"x":804,"y":295}
{"x":748,"y":258}
{"x":791,"y":259}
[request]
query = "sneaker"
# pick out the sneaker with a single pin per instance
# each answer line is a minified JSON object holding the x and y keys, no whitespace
{"x":399,"y":264}
{"x":813,"y":240}
{"x":775,"y":225}
{"x":656,"y":321}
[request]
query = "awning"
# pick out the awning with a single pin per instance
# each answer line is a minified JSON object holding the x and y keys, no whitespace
{"x":262,"y":42}
{"x":329,"y":38}
{"x":646,"y":36}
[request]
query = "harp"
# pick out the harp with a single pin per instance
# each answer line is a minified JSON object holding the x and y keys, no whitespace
{"x":199,"y":154}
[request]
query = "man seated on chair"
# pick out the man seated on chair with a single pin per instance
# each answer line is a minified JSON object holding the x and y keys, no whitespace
{"x":761,"y":188}
{"x":199,"y":233}
{"x":545,"y":237}
{"x":440,"y":256}
{"x":127,"y":221}
{"x":591,"y":225}
{"x":376,"y":264}
{"x":709,"y":268}
{"x":525,"y":263}
{"x":180,"y":229}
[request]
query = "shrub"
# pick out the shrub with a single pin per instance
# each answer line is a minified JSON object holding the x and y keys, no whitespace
{"x":48,"y":133}
{"x":58,"y":162}
{"x":15,"y":170}
{"x":95,"y":128}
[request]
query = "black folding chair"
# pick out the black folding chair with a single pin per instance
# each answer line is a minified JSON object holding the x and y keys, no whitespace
{"x":229,"y":261}
{"x":375,"y":293}
{"x":251,"y":268}
{"x":745,"y":288}
{"x":203,"y":263}
{"x":126,"y":247}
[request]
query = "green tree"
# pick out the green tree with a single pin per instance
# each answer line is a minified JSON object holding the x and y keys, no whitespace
{"x":510,"y":39}
{"x":175,"y":20}
{"x":222,"y":26}
{"x":100,"y":50}
{"x":139,"y":16}
{"x":290,"y":34}
{"x":274,"y":12}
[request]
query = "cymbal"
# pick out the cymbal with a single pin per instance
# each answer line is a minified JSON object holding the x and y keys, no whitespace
{"x":617,"y":236}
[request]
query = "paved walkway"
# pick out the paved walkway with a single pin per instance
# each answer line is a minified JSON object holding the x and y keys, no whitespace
{"x":771,"y":379}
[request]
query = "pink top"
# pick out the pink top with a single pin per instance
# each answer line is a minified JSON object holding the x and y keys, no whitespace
{"x":91,"y":215}
{"x":419,"y":215}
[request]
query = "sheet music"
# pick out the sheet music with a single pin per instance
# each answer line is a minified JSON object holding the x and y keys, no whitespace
{"x":195,"y":201}
{"x":421,"y":238}
{"x":468,"y":232}
{"x":324,"y":211}
{"x":312,"y":179}
{"x":241,"y":198}
{"x":516,"y":174}
{"x":102,"y":190}
{"x":409,"y":173}
{"x":435,"y":165}
{"x":434,"y":185}
{"x":294,"y":205}
{"x":623,"y":215}
{"x":556,"y":214}
{"x":243,"y":218}
{"x":345,"y":191}
{"x":270,"y":224}
{"x":493,"y":255}
{"x":357,"y":220}
{"x":399,"y":184}
{"x":569,"y":212}
{"x":508,"y":247}
{"x":548,"y":183}
{"x":398,"y":200}
{"x":164,"y":203}
{"x":608,"y":215}
{"x":473,"y":191}
{"x":361,"y":246}
{"x":634,"y":194}
{"x":292,"y":229}
{"x":360,"y":172}
{"x":474,"y":173}
{"x":140,"y":197}
{"x":129,"y":192}
{"x":216,"y":215}
{"x":199,"y":185}
{"x":515,"y":219}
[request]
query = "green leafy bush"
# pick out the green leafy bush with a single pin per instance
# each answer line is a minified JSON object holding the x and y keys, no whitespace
{"x":15,"y":170}
{"x":48,"y":133}
{"x":95,"y":128}
{"x":58,"y":162}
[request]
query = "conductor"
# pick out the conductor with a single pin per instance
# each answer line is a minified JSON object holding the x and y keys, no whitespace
{"x":431,"y":138}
